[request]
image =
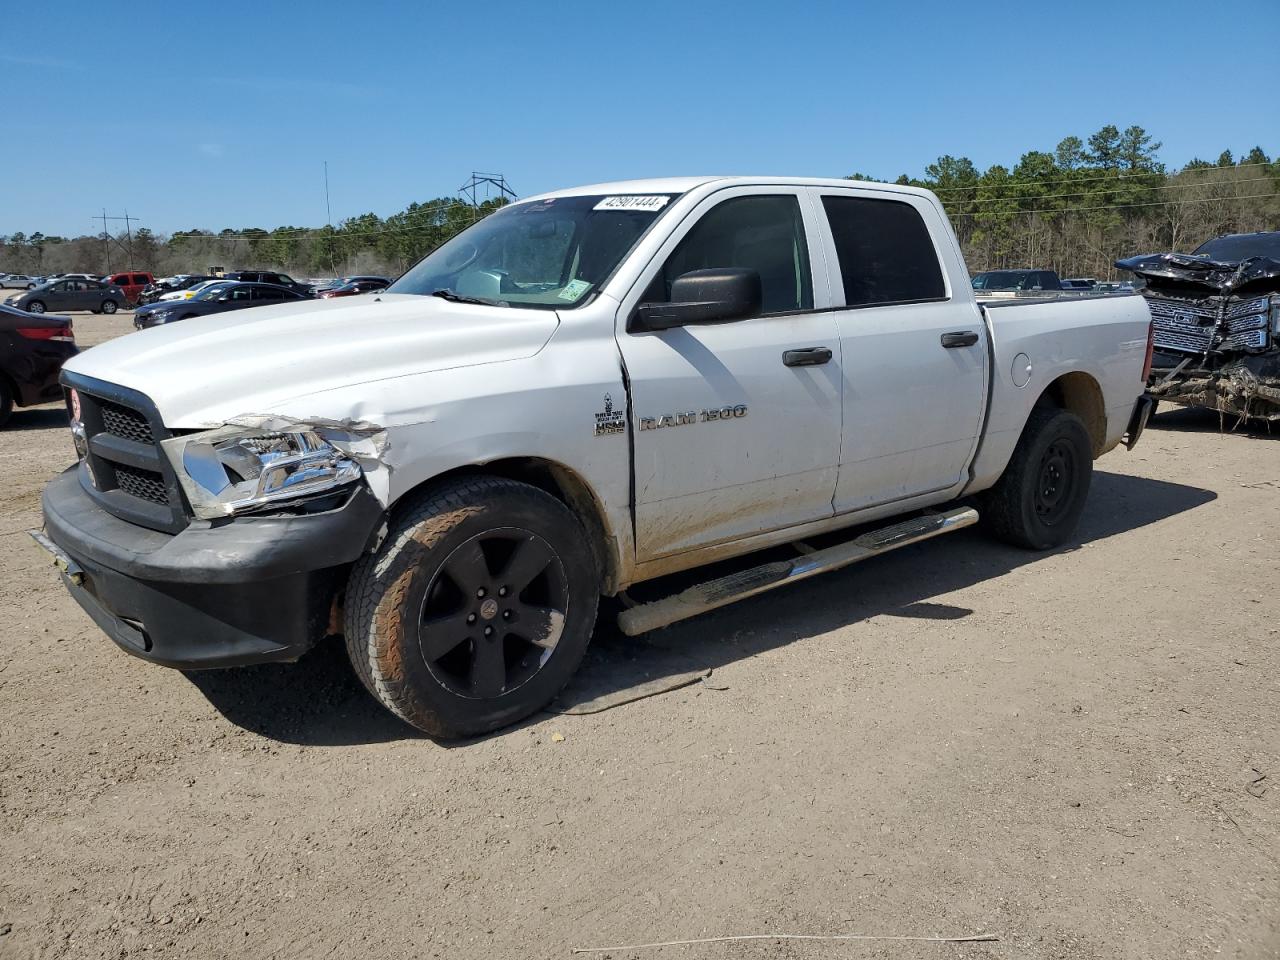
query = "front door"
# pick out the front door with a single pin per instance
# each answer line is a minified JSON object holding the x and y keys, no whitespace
{"x":915,"y":358}
{"x":730,"y":440}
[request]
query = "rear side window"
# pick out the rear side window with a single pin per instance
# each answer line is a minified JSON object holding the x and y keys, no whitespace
{"x":761,"y":233}
{"x":885,"y":252}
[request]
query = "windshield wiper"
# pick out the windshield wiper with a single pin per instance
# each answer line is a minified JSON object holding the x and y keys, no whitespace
{"x":444,"y":293}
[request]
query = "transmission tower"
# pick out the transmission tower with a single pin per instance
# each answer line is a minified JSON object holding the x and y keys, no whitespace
{"x":491,"y":182}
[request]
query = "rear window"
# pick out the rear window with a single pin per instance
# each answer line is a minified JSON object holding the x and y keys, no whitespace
{"x":885,"y":252}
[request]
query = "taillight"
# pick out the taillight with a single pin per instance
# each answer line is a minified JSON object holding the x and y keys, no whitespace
{"x":47,"y":333}
{"x":1151,"y":348}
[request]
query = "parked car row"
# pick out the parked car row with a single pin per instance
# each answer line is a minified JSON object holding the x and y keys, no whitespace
{"x":82,"y":291}
{"x":1043,"y":281}
{"x":213,"y":297}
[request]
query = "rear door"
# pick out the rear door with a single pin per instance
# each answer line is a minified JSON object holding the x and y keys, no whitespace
{"x":914,"y":348}
{"x":729,"y":440}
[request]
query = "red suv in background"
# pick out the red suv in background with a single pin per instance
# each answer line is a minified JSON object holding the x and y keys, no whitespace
{"x":130,"y":283}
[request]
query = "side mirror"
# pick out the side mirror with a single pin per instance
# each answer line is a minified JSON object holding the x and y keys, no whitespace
{"x":718,"y":295}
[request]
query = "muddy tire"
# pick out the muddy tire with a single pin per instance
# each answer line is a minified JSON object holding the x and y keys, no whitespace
{"x":1037,"y":502}
{"x":6,"y":401}
{"x":477,"y":608}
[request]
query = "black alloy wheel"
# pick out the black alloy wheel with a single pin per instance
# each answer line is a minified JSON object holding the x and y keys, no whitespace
{"x":493,"y":613}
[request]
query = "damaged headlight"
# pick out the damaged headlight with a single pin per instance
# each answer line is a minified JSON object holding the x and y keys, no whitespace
{"x":232,"y":470}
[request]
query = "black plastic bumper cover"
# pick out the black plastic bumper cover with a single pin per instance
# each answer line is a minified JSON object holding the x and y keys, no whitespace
{"x":1138,"y":420}
{"x":253,"y":590}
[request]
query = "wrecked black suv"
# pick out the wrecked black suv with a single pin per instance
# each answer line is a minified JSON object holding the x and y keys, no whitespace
{"x":1216,"y":315}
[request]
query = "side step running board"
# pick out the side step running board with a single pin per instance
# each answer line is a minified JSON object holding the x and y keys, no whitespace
{"x":747,"y":583}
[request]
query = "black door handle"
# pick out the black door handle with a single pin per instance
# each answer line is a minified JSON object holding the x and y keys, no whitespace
{"x":808,"y":357}
{"x":966,"y":338}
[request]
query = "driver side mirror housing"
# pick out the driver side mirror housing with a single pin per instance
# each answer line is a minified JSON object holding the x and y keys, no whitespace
{"x":717,"y":295}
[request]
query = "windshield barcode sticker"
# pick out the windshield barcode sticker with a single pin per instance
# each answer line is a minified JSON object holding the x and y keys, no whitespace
{"x":632,"y":203}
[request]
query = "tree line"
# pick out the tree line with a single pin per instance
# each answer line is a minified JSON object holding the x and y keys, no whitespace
{"x":1085,"y":204}
{"x":1075,"y":209}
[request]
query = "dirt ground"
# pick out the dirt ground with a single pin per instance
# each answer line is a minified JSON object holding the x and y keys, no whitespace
{"x":1076,"y":752}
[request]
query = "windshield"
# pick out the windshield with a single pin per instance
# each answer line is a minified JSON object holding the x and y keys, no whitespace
{"x":1241,"y":247}
{"x":212,"y":290}
{"x":546,"y":254}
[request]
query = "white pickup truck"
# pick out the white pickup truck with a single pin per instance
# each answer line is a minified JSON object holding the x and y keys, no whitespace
{"x":585,"y":390}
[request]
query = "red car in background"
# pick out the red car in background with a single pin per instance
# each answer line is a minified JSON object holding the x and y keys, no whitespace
{"x":131,"y":283}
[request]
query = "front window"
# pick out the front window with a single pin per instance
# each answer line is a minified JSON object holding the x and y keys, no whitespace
{"x":1241,"y":247}
{"x":545,"y":254}
{"x":213,"y":291}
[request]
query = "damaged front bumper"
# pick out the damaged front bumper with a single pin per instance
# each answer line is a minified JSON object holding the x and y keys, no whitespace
{"x":1247,"y":388}
{"x":225,"y":593}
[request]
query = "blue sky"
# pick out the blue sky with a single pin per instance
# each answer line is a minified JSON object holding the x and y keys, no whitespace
{"x":221,"y":115}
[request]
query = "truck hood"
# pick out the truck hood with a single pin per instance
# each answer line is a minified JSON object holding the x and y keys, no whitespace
{"x":207,"y":370}
{"x":1185,"y":273}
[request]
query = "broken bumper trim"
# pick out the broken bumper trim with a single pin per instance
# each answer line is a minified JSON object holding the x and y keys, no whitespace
{"x":1138,"y":421}
{"x":254,"y":590}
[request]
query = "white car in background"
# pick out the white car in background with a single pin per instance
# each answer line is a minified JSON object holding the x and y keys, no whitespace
{"x":190,"y":292}
{"x":18,"y":281}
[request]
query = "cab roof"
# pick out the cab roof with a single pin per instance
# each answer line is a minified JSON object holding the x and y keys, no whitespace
{"x":685,"y":184}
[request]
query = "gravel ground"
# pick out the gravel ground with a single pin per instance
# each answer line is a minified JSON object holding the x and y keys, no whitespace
{"x":1077,"y":752}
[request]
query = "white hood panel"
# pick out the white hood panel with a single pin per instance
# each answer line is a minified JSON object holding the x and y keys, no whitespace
{"x":204,"y":371}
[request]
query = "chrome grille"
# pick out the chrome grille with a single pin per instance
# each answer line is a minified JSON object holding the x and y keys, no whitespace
{"x":1246,"y":340}
{"x":1189,"y":327}
{"x":1256,"y":305}
{"x":1185,"y":327}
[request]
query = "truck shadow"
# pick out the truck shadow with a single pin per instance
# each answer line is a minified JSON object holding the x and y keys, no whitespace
{"x":1200,"y":420}
{"x":318,"y":701}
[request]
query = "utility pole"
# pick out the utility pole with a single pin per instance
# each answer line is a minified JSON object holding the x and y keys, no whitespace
{"x":328,"y":218}
{"x":328,"y":214}
{"x":129,"y":233}
{"x":106,"y":239}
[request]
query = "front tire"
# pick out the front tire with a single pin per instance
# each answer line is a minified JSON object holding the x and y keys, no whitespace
{"x":6,"y":401}
{"x":1037,"y":502}
{"x":35,"y":306}
{"x":109,"y":307}
{"x":477,"y":608}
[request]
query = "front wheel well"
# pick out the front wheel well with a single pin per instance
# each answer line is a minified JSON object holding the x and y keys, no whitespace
{"x":1079,"y":393}
{"x":560,"y":482}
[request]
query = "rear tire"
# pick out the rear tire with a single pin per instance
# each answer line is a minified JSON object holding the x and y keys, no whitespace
{"x":477,"y":608}
{"x":1037,"y":502}
{"x":35,"y":306}
{"x":109,"y":307}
